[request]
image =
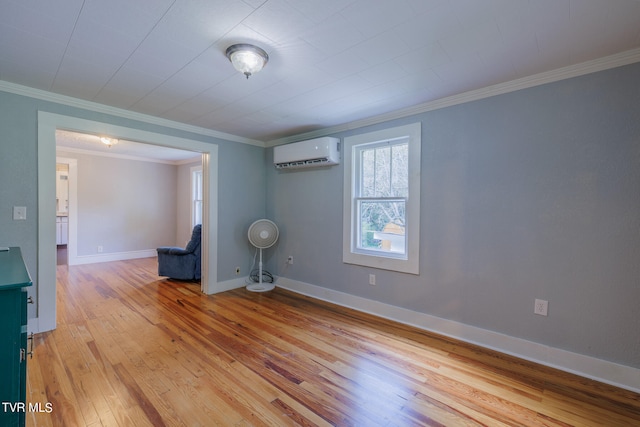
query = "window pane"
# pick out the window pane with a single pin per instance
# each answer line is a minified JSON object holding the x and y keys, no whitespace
{"x":383,"y":172}
{"x":197,"y":212}
{"x":197,"y":184}
{"x":196,"y":196}
{"x":367,"y":187}
{"x":381,"y":225}
{"x":400,"y":170}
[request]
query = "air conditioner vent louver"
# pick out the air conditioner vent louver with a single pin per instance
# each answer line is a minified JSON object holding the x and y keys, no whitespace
{"x":305,"y":163}
{"x":306,"y":154}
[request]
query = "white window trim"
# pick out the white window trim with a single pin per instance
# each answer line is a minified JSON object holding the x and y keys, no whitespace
{"x":349,"y":254}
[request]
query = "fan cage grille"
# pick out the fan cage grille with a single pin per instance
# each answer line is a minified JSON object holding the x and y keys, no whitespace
{"x":257,"y":235}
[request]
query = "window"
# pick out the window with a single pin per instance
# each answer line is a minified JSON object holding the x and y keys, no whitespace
{"x":196,"y":196}
{"x":381,"y":226}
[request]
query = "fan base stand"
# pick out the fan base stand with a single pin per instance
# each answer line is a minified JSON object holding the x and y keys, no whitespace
{"x":261,"y":287}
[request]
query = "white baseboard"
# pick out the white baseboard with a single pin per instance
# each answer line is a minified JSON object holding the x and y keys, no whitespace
{"x":116,"y":256}
{"x":600,"y":370}
{"x":229,"y":285}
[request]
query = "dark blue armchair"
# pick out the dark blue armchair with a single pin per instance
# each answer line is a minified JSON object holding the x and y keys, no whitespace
{"x":182,"y":264}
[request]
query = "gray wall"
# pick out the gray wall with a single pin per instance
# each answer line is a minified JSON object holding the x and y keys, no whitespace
{"x":124,"y":205}
{"x":241,"y":197}
{"x":18,"y":173}
{"x":243,"y":205}
{"x":531,"y":194}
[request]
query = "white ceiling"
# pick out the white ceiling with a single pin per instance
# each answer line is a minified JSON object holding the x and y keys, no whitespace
{"x":331,"y":61}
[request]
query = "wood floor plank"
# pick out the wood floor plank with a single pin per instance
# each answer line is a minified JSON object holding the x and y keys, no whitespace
{"x":135,"y":349}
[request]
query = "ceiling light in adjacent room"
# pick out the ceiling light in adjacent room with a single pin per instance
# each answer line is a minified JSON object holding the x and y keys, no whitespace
{"x":109,"y":142}
{"x":247,"y":58}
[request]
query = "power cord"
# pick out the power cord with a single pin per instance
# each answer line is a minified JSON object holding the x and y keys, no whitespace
{"x":266,"y":276}
{"x":254,"y":276}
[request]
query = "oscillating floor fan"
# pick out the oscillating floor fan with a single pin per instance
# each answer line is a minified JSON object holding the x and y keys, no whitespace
{"x":262,"y":234}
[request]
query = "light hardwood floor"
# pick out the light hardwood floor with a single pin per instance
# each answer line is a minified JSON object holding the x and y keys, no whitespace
{"x":132,"y":349}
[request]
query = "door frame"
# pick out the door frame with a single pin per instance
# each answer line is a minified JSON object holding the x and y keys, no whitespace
{"x":48,"y":123}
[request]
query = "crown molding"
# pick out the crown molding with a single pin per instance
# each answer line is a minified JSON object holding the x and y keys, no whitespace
{"x":120,"y":112}
{"x":600,"y":64}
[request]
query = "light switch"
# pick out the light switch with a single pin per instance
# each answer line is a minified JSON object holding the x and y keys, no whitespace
{"x":19,"y":212}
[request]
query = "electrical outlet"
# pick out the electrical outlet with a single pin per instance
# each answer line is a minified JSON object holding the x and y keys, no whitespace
{"x":237,"y":270}
{"x":290,"y":260}
{"x":100,"y":249}
{"x":541,"y":307}
{"x":19,"y":212}
{"x":372,"y":279}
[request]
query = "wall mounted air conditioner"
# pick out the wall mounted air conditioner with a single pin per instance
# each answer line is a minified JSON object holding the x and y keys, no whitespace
{"x":307,"y":154}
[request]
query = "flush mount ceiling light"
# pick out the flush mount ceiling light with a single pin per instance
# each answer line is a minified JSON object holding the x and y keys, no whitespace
{"x":109,"y":142}
{"x":247,"y":58}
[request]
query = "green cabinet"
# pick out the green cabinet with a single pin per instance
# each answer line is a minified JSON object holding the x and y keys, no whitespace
{"x":14,"y":279}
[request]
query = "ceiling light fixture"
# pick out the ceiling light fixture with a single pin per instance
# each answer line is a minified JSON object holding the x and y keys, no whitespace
{"x":109,"y":142}
{"x":247,"y":58}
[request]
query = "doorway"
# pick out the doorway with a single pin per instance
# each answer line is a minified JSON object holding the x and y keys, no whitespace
{"x":119,"y":173}
{"x":47,"y":125}
{"x":62,"y":210}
